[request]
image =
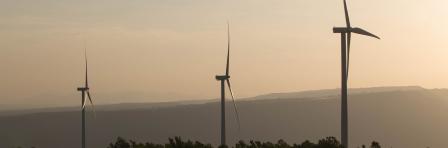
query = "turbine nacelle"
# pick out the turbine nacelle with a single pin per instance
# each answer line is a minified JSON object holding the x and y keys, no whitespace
{"x":341,"y":29}
{"x":222,"y":77}
{"x":354,"y":30}
{"x":83,"y":89}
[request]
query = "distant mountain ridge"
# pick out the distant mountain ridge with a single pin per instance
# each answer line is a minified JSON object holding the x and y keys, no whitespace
{"x":310,"y":94}
{"x":107,"y":107}
{"x":336,"y":92}
{"x":411,"y":117}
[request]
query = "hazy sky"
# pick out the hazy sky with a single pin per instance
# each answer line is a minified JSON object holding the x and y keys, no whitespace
{"x":159,"y":50}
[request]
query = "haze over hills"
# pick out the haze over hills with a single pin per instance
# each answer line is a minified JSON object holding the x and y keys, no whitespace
{"x":107,"y":107}
{"x":411,"y":117}
{"x":44,"y":101}
{"x":333,"y":92}
{"x":13,"y":109}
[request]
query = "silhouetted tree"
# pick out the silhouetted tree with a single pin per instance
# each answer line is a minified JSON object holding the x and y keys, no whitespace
{"x":375,"y":145}
{"x":282,"y":144}
{"x":329,"y":142}
{"x":241,"y":144}
{"x":120,"y":143}
{"x":305,"y":144}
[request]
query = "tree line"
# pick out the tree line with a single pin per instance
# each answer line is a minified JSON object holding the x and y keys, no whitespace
{"x":178,"y":142}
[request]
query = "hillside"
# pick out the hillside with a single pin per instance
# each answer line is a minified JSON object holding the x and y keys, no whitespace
{"x":395,"y":116}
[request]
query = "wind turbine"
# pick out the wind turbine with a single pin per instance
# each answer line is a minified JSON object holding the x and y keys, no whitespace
{"x":345,"y":59}
{"x":84,"y":91}
{"x":226,"y":78}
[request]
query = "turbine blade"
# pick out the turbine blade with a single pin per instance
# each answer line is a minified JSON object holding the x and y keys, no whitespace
{"x":85,"y":56}
{"x":363,"y":32}
{"x":234,"y":105}
{"x":349,"y":38}
{"x":347,"y":19}
{"x":91,"y":103}
{"x":228,"y":48}
{"x":83,"y":101}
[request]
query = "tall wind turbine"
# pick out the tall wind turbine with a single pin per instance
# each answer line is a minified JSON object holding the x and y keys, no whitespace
{"x":226,"y":78}
{"x":84,"y":91}
{"x":345,"y":59}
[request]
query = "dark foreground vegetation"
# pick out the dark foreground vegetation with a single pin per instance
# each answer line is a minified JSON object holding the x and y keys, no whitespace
{"x":177,"y":142}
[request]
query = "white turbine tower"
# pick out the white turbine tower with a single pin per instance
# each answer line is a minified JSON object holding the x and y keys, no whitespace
{"x":226,"y":78}
{"x":84,"y":91}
